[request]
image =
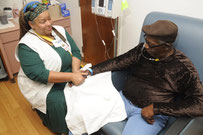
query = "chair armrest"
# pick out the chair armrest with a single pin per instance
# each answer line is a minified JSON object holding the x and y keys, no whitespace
{"x":118,"y":79}
{"x":114,"y":128}
{"x":178,"y":126}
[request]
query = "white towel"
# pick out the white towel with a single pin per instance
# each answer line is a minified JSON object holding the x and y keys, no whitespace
{"x":93,"y":104}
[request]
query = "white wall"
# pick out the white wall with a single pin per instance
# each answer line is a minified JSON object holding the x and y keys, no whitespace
{"x":132,"y":18}
{"x":9,"y":3}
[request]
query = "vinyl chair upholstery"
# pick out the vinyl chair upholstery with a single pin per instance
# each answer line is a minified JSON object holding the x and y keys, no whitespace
{"x":189,"y":41}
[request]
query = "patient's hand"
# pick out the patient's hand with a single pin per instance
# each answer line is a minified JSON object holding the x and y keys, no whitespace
{"x":87,"y":71}
{"x":148,"y":114}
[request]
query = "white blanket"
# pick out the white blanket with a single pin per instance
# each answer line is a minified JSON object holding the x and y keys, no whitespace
{"x":93,"y":104}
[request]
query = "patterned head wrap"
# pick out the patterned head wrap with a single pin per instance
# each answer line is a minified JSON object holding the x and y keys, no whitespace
{"x":33,"y":9}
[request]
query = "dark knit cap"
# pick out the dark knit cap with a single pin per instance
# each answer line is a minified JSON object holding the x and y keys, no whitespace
{"x":162,"y":29}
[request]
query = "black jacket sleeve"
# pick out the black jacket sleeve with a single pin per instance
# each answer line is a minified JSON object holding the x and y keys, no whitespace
{"x":120,"y":62}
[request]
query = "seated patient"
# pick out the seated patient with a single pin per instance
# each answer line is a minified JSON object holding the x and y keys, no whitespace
{"x":49,"y":58}
{"x":159,"y":74}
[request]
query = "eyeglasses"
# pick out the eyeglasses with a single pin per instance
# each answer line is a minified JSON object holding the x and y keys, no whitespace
{"x":156,"y":45}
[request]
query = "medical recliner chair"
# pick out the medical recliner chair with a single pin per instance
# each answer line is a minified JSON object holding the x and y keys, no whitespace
{"x":189,"y":41}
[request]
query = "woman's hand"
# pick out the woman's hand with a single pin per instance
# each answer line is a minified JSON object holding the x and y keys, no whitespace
{"x":78,"y":77}
{"x":74,"y":78}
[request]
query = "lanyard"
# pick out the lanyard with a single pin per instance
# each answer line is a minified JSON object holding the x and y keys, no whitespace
{"x":45,"y":37}
{"x":51,"y":42}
